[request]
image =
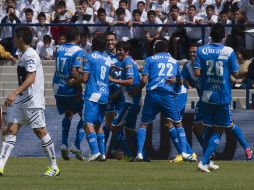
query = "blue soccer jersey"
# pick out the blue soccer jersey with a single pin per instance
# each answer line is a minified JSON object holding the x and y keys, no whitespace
{"x":68,"y":56}
{"x":216,"y":62}
{"x":130,"y":70}
{"x":188,"y":75}
{"x":160,"y":67}
{"x":98,"y":67}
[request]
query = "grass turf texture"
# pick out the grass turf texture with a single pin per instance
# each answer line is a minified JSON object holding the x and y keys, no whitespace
{"x":24,"y":173}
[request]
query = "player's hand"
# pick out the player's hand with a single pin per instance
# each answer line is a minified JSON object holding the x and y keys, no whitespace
{"x":170,"y":80}
{"x":111,"y":79}
{"x":71,"y":82}
{"x":10,"y":99}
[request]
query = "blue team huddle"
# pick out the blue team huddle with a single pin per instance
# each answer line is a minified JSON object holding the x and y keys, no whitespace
{"x":105,"y":87}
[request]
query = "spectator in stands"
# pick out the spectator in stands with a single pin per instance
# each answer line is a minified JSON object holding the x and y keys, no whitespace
{"x":176,"y":35}
{"x":41,"y":31}
{"x":6,"y":31}
{"x":223,"y":19}
{"x":5,"y":54}
{"x":123,"y":4}
{"x":219,"y":6}
{"x":110,"y":7}
{"x":184,"y":5}
{"x":244,"y":63}
{"x":152,"y":33}
{"x":47,"y":50}
{"x":61,"y":15}
{"x":210,"y":18}
{"x":133,"y":4}
{"x":48,"y":7}
{"x":161,"y":7}
{"x":11,"y":3}
{"x":123,"y":33}
{"x":236,"y":39}
{"x":70,"y":5}
{"x":141,"y":8}
{"x":201,"y":7}
{"x":101,"y":19}
{"x":230,"y":6}
{"x":194,"y":34}
{"x":29,"y":4}
{"x":247,"y":6}
{"x":84,"y":43}
{"x":95,"y":5}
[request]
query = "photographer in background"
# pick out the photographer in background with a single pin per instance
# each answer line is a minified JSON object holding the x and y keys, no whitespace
{"x":6,"y":31}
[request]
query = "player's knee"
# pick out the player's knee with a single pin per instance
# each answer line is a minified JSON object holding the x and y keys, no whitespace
{"x":12,"y":129}
{"x":178,"y":124}
{"x":40,"y":132}
{"x":218,"y":130}
{"x":68,"y":115}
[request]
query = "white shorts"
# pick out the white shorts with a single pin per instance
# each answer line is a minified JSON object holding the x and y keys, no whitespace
{"x":32,"y":117}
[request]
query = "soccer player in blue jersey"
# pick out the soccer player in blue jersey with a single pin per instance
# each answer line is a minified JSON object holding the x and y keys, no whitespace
{"x":214,"y":64}
{"x":161,"y":75}
{"x":194,"y":82}
{"x":129,"y":109}
{"x":96,"y":70}
{"x":68,"y":98}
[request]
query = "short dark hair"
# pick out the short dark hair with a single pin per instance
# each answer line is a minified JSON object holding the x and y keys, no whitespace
{"x":24,"y":33}
{"x":223,"y":12}
{"x":124,"y":45}
{"x":192,"y":6}
{"x":41,"y":14}
{"x":136,"y":11}
{"x":9,"y":7}
{"x":194,"y":44}
{"x":217,"y":32}
{"x":151,"y":12}
{"x":71,"y":34}
{"x":123,"y":1}
{"x":99,"y":43}
{"x":174,"y":7}
{"x":47,"y":38}
{"x":120,"y":11}
{"x":61,"y":4}
{"x":141,"y":2}
{"x":28,"y":10}
{"x":160,"y":46}
{"x":101,"y":10}
{"x":111,"y":34}
{"x":210,"y":7}
{"x":82,"y":1}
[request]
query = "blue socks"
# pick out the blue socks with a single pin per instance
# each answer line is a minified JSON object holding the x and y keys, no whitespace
{"x":93,"y":144}
{"x":66,"y":124}
{"x":213,"y":142}
{"x":182,"y":138}
{"x":239,"y":135}
{"x":174,"y":137}
{"x":80,"y":133}
{"x":189,"y":149}
{"x":141,"y":139}
{"x":101,"y":143}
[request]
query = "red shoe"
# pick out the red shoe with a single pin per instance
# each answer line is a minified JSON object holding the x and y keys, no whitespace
{"x":248,"y":153}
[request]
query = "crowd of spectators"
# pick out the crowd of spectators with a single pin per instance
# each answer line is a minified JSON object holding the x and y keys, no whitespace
{"x":130,"y":15}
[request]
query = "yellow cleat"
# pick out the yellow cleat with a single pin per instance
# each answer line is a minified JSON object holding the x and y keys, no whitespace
{"x":1,"y":171}
{"x":52,"y":172}
{"x":177,"y":159}
{"x":194,"y":157}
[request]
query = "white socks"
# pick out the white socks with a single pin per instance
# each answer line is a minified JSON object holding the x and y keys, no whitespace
{"x":48,"y":146}
{"x":7,"y":146}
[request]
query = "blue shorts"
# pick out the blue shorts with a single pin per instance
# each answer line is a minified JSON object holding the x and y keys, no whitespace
{"x":198,"y":112}
{"x":127,"y":116}
{"x":216,"y":115}
{"x":93,"y":113}
{"x":113,"y":106}
{"x":68,"y":103}
{"x":181,"y":100}
{"x":160,"y":102}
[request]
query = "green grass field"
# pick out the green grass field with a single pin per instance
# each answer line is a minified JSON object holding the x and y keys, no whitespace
{"x":24,"y":173}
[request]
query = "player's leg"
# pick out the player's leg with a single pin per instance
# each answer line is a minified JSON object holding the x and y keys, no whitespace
{"x":240,"y":137}
{"x":197,"y":127}
{"x":109,"y":116}
{"x":150,"y":110}
{"x":90,"y":112}
{"x":36,"y":120}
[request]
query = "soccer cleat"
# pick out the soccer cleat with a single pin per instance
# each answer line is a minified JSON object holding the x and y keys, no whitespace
{"x":139,"y":158}
{"x":212,"y":166}
{"x":203,"y":168}
{"x":78,"y":153}
{"x":52,"y":172}
{"x":1,"y":171}
{"x":65,"y":152}
{"x":177,"y":159}
{"x":102,"y":158}
{"x":94,"y":157}
{"x":248,"y":153}
{"x":194,"y":156}
{"x":188,"y":157}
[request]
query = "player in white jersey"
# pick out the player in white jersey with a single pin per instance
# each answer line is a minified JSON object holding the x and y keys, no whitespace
{"x":27,"y":102}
